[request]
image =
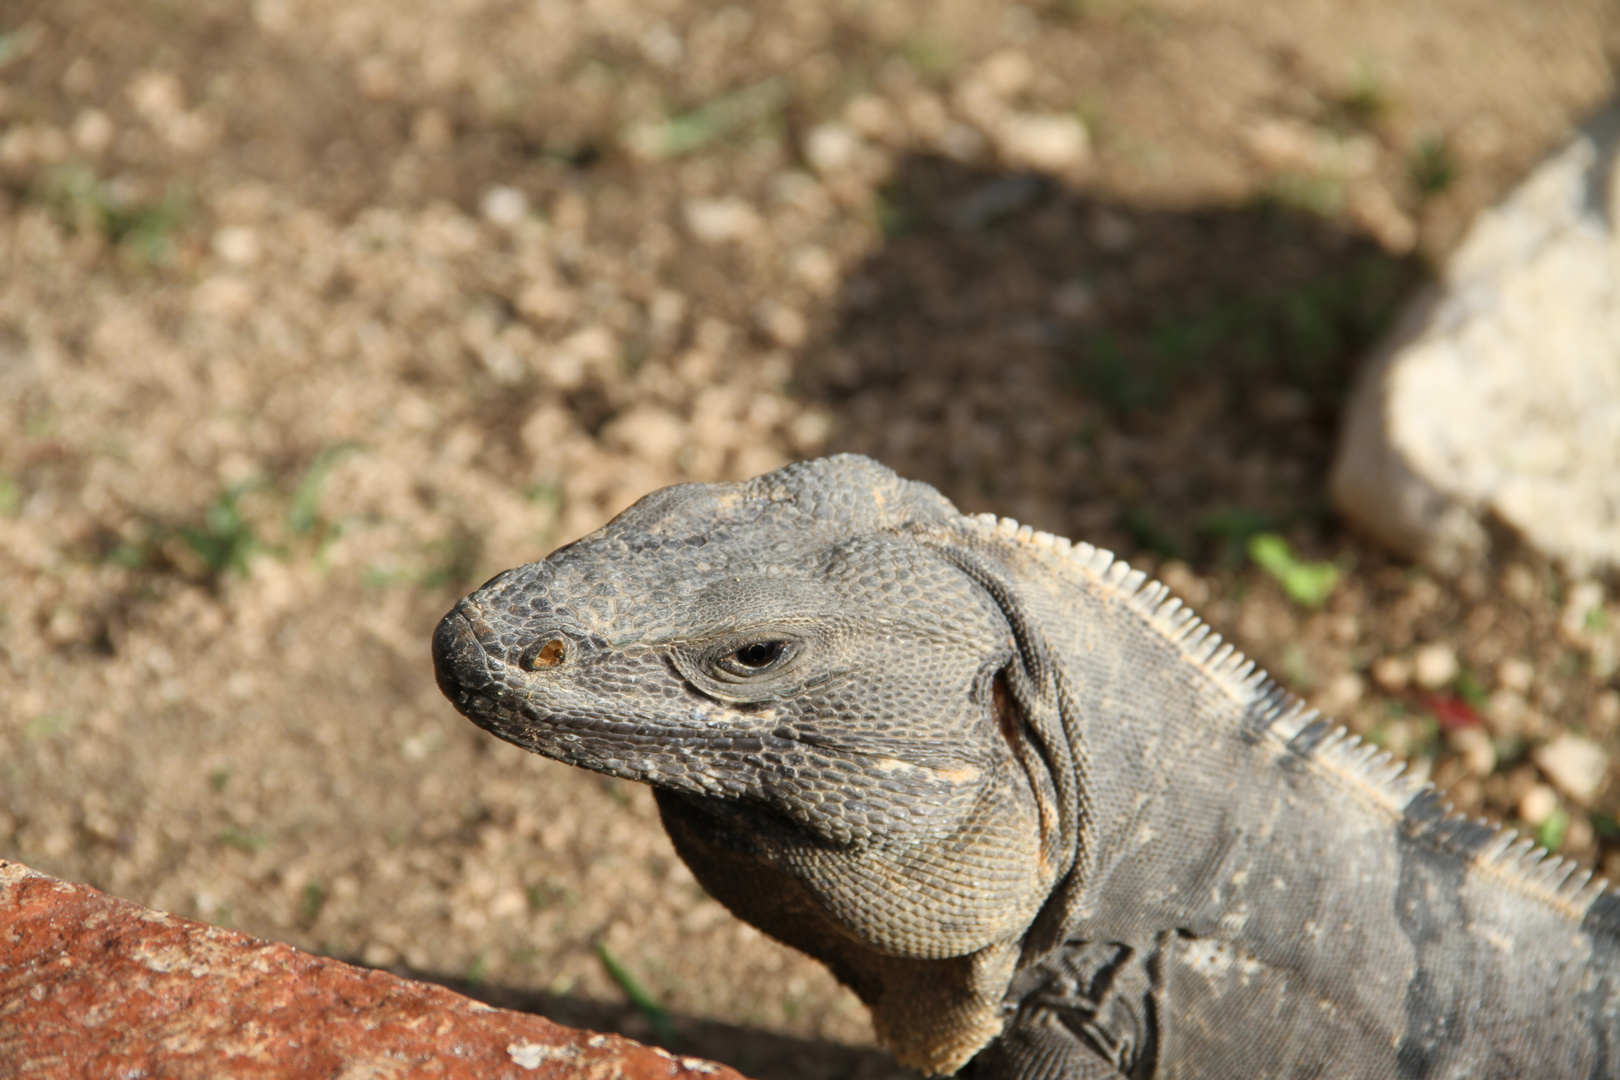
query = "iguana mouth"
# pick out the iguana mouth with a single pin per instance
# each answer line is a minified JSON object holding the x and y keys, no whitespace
{"x":475,"y":677}
{"x":457,"y":653}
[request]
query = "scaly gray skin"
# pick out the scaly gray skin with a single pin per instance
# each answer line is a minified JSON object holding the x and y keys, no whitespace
{"x":1025,"y":806}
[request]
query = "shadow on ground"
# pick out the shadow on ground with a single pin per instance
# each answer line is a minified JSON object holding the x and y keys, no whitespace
{"x":754,"y":1053}
{"x":1155,"y":380}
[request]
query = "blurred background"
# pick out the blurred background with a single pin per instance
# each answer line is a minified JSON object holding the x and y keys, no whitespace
{"x":316,"y":313}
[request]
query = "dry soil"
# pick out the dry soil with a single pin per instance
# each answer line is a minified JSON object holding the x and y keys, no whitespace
{"x":315,"y":313}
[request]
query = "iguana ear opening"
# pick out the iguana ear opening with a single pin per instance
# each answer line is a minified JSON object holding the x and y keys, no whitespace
{"x":1029,"y":706}
{"x":1009,"y":721}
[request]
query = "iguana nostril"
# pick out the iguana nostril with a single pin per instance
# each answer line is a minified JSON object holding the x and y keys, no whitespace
{"x":547,"y":652}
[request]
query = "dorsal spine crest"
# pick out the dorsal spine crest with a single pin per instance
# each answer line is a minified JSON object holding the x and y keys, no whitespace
{"x":1375,"y":774}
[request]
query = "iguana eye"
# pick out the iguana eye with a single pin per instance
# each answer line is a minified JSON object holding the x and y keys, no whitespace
{"x":758,"y":654}
{"x":755,"y":664}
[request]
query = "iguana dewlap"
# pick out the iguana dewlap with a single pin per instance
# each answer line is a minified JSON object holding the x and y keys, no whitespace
{"x":1031,"y":810}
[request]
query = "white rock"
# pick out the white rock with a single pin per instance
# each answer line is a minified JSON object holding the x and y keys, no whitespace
{"x":832,"y":147}
{"x":719,"y":221}
{"x":1583,"y":606}
{"x":1515,"y":673}
{"x":1007,"y":72}
{"x":1049,"y":142}
{"x":1392,"y":673}
{"x":1474,"y":746}
{"x":1341,"y":694}
{"x":504,"y":206}
{"x":237,"y":245}
{"x":566,"y":365}
{"x":649,"y":431}
{"x":1537,"y":804}
{"x":93,"y":131}
{"x":1434,"y":665}
{"x":1499,"y":393}
{"x":783,"y":323}
{"x":1298,"y":147}
{"x":1577,"y":766}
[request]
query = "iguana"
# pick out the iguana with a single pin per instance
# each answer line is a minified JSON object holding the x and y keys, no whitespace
{"x":1035,"y":814}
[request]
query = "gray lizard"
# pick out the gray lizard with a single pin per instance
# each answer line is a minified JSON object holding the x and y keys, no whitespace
{"x":1032,"y":811}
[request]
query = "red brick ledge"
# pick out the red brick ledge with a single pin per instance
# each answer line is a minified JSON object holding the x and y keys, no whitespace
{"x":96,"y":987}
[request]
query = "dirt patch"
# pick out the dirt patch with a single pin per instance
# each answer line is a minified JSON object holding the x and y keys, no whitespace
{"x":313,"y":316}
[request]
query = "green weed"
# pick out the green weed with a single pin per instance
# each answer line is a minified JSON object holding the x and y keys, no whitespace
{"x":225,"y":540}
{"x":1296,"y":667}
{"x":894,"y":217}
{"x":549,"y":496}
{"x":1367,"y":99}
{"x":1322,"y":196}
{"x":733,"y":114}
{"x":1550,"y":833}
{"x":478,"y":970}
{"x":452,"y":561}
{"x":243,"y":839}
{"x":14,"y":44}
{"x":46,"y":725}
{"x":1470,"y":689}
{"x":1509,"y":750}
{"x":1307,"y":584}
{"x":929,"y":57}
{"x":304,"y":508}
{"x":145,"y":230}
{"x":646,"y":1004}
{"x":1433,"y":166}
{"x":380,"y":577}
{"x":311,"y":902}
{"x":130,"y":554}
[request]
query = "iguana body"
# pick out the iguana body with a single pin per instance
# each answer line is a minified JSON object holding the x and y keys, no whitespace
{"x":1025,"y":806}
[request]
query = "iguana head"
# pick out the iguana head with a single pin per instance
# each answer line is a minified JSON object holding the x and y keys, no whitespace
{"x":812,"y":685}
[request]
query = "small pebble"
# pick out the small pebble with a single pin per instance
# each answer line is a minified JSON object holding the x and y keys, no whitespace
{"x":719,"y":221}
{"x":1392,"y":673}
{"x":1515,"y":673}
{"x":504,"y":206}
{"x":1074,"y":301}
{"x":237,"y":245}
{"x":832,"y":148}
{"x":1585,"y":597}
{"x":93,"y":131}
{"x":1050,"y":142}
{"x":1474,"y":746}
{"x":1342,"y":693}
{"x":1434,"y":665}
{"x":1576,"y":765}
{"x":1606,"y":709}
{"x":1538,"y":804}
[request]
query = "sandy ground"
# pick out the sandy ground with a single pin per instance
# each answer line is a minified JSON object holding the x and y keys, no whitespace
{"x":313,"y":315}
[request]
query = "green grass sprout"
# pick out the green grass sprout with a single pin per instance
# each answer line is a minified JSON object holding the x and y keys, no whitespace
{"x":1307,"y":584}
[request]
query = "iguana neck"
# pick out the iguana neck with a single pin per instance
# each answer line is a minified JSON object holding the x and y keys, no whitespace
{"x":1160,"y":727}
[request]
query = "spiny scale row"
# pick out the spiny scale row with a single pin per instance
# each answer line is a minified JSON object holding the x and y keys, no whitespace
{"x":1152,"y":598}
{"x":1378,"y":770}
